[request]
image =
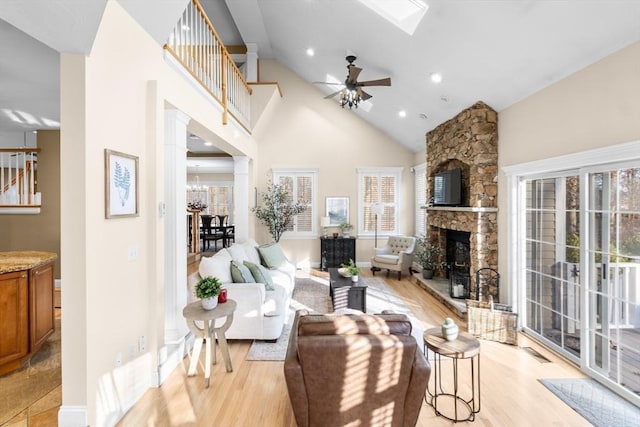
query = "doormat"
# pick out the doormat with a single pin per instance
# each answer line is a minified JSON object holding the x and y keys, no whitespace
{"x":596,"y":403}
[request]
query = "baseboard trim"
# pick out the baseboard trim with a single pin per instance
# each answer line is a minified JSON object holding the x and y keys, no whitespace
{"x":72,"y":416}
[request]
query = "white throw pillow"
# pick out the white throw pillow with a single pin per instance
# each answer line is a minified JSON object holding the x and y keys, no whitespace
{"x":251,"y":249}
{"x":237,"y":253}
{"x":218,"y":266}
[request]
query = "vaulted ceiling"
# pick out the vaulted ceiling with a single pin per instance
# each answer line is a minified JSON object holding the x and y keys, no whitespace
{"x":495,"y":51}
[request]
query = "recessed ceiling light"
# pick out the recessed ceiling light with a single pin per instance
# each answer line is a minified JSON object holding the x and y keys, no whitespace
{"x":208,"y":143}
{"x":436,"y":77}
{"x":310,"y":52}
{"x":402,"y":113}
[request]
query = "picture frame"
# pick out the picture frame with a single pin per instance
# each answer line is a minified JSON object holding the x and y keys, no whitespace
{"x":337,"y":209}
{"x":121,"y":185}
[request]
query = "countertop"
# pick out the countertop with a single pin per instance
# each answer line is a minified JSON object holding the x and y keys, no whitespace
{"x":23,"y":260}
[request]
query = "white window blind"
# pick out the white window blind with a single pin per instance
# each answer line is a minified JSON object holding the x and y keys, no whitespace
{"x":379,"y":185}
{"x":301,"y":186}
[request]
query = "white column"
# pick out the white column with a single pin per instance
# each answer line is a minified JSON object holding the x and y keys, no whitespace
{"x":175,"y":259}
{"x":241,"y":196}
{"x":252,"y":62}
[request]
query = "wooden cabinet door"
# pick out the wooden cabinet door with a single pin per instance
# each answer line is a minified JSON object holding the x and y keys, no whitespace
{"x":41,"y":305}
{"x":14,"y":320}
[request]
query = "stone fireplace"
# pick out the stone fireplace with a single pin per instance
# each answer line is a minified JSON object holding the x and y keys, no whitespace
{"x":468,"y":141}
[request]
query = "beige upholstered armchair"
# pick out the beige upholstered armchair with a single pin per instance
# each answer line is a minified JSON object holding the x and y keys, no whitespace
{"x":396,"y":255}
{"x":354,"y":369}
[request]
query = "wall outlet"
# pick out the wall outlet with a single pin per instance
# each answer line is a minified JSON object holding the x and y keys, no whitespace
{"x":118,"y":359}
{"x":142,"y":343}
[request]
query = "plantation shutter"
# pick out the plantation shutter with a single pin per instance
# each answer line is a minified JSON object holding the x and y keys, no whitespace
{"x":300,"y":186}
{"x":305,"y":193}
{"x":379,"y":186}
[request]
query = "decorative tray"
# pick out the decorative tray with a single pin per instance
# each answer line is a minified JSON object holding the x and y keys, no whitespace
{"x":343,"y":272}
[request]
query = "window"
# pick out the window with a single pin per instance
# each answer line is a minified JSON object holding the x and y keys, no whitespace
{"x":221,"y":200}
{"x":301,"y":185}
{"x":379,"y":185}
{"x":420,"y":179}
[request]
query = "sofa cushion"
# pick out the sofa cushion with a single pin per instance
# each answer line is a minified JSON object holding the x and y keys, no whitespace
{"x":240,"y":273}
{"x":272,"y":255}
{"x":238,"y":253}
{"x":217,"y":266}
{"x":251,"y":249}
{"x":386,"y":259}
{"x":260,"y":274}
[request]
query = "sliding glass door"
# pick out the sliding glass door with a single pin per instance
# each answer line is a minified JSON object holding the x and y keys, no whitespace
{"x":553,"y":261}
{"x":581,"y":246}
{"x":613,"y":291}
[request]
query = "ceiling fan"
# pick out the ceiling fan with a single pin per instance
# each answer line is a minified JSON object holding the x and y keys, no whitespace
{"x":351,"y":94}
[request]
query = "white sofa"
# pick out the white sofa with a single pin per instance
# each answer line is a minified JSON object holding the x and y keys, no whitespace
{"x":260,"y":313}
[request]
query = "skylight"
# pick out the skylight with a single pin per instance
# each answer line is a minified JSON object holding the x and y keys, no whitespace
{"x":404,"y":14}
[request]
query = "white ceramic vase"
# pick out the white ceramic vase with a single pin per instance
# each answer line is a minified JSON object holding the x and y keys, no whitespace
{"x":449,"y":329}
{"x":209,"y":303}
{"x":354,"y":279}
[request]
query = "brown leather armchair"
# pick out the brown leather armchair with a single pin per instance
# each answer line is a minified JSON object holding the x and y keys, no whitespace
{"x":354,"y":369}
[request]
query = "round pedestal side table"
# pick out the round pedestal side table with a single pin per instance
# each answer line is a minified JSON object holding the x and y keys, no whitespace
{"x":465,"y":346}
{"x":207,"y":335}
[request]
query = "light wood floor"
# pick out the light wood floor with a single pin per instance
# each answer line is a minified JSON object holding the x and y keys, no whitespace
{"x":255,"y":394}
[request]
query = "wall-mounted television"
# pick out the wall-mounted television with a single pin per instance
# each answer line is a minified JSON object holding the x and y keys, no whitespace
{"x":447,"y":188}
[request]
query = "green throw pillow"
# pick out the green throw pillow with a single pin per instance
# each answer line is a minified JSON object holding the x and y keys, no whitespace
{"x":240,"y":273}
{"x":261,"y":275}
{"x":272,"y":256}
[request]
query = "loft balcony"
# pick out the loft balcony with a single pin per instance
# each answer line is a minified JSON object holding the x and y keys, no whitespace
{"x":19,"y":181}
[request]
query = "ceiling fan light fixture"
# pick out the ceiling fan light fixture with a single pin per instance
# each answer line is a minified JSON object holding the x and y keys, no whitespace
{"x":349,"y":97}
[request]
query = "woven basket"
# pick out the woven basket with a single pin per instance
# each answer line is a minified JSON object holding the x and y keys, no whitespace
{"x":494,"y":322}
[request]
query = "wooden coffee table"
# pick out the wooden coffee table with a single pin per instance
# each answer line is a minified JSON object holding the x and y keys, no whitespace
{"x":345,"y":293}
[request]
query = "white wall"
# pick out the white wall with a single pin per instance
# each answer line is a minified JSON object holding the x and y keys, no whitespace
{"x":306,"y":131}
{"x":596,"y":107}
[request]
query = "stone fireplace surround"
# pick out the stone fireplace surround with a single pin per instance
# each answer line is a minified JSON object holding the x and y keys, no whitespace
{"x":468,"y":141}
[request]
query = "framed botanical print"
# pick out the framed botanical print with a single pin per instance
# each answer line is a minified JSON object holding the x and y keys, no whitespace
{"x":121,"y":184}
{"x":337,"y":210}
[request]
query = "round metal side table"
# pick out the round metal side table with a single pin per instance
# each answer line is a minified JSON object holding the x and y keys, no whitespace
{"x":465,"y":346}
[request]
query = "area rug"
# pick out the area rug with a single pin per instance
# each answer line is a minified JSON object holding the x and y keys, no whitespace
{"x":313,"y":294}
{"x":596,"y":403}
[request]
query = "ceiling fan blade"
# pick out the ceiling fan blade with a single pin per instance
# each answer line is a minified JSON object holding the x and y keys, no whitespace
{"x":329,"y":83}
{"x":354,"y":72}
{"x":379,"y":82}
{"x":333,"y":94}
{"x":364,"y":95}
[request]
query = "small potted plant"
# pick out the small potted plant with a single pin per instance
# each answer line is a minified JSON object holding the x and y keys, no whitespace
{"x":207,"y":289}
{"x":352,"y":269}
{"x":345,"y":228}
{"x":427,"y":255}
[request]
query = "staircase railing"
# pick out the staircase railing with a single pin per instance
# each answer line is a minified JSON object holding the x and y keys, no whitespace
{"x":18,"y":178}
{"x":195,"y":44}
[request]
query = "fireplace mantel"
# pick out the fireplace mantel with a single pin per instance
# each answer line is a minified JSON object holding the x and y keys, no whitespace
{"x":459,"y":209}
